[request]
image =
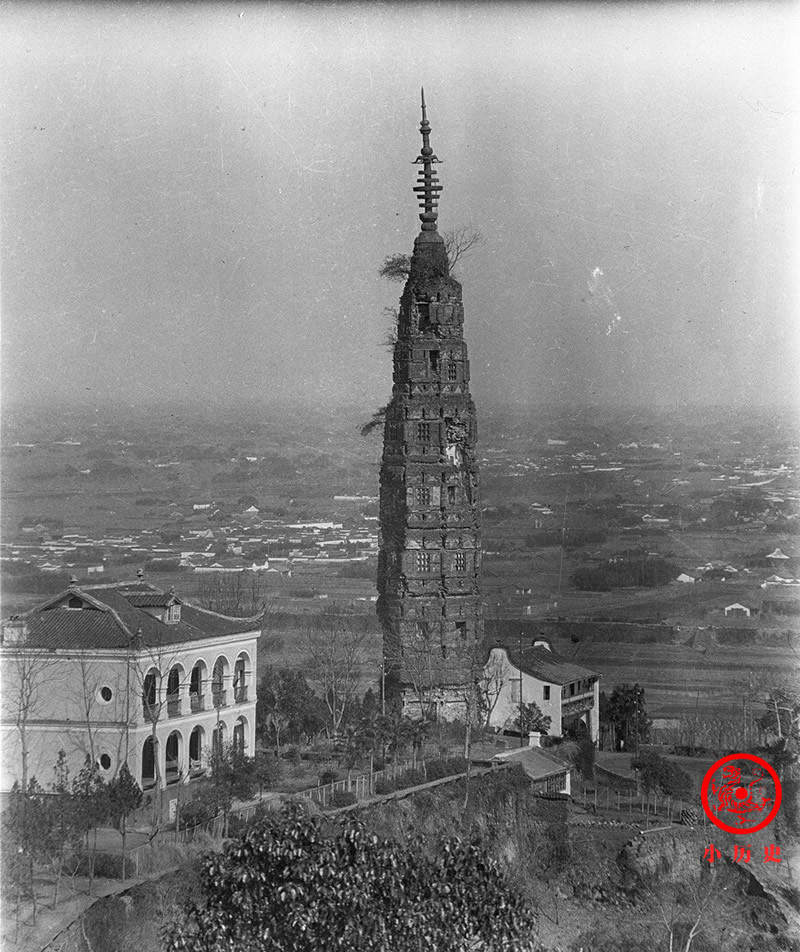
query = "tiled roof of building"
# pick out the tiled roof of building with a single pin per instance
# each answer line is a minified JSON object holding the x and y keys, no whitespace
{"x":543,"y":664}
{"x":151,"y":599}
{"x":546,"y":665}
{"x":517,"y":636}
{"x":113,"y":619}
{"x":537,"y":763}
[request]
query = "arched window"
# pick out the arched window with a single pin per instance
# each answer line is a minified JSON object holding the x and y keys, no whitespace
{"x":241,"y":678}
{"x":196,"y":742}
{"x":174,"y":691}
{"x":240,"y":735}
{"x":148,"y":763}
{"x":150,"y":695}
{"x":173,"y":752}
{"x":218,"y":678}
{"x":196,"y":686}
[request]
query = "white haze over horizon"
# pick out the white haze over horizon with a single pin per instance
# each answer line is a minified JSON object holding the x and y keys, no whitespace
{"x":197,"y":199}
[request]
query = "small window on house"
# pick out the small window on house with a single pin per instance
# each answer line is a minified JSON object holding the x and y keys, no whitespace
{"x":423,"y":432}
{"x":434,"y":360}
{"x":461,"y":628}
{"x":424,"y":496}
{"x":423,"y":561}
{"x":106,"y":693}
{"x":74,"y":602}
{"x":460,"y":562}
{"x":451,"y":495}
{"x":105,"y":762}
{"x":572,"y":689}
{"x":547,"y":692}
{"x":452,"y":370}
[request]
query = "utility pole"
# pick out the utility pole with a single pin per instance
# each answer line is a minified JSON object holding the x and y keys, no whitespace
{"x":563,"y":540}
{"x":520,"y":689}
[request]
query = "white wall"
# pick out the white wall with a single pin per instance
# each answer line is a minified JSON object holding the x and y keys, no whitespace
{"x":533,"y":690}
{"x":69,"y":712}
{"x":507,"y":705}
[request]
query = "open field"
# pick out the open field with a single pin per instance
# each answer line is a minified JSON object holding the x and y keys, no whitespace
{"x":561,"y":491}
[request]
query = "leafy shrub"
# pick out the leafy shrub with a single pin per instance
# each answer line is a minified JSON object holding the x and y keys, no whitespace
{"x":584,"y":760}
{"x":343,"y":798}
{"x":657,"y":773}
{"x":328,"y":776}
{"x":106,"y":865}
{"x":293,"y":756}
{"x":412,"y":778}
{"x":346,"y":888}
{"x":200,"y":809}
{"x":446,"y":767}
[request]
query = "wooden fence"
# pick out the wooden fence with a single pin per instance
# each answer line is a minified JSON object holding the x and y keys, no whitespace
{"x":634,"y":806}
{"x":362,"y":786}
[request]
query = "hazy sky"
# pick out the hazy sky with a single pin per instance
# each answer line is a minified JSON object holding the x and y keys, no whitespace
{"x":196,"y":199}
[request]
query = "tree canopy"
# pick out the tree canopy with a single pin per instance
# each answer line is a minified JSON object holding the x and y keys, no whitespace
{"x":626,"y":713}
{"x":290,"y":884}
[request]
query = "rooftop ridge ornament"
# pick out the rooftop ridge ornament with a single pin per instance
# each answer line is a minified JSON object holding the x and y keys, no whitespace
{"x":427,"y":186}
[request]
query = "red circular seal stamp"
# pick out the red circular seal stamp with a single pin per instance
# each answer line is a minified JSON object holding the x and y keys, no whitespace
{"x":740,"y":803}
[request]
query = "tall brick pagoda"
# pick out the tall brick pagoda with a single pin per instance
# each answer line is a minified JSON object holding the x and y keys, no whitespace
{"x":429,"y":601}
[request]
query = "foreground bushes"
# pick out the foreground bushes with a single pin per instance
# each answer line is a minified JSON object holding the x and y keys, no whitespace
{"x":292,"y":883}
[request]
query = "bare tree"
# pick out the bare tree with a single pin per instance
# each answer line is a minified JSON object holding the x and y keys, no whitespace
{"x":689,"y":908}
{"x":150,"y":669}
{"x":492,"y":678}
{"x":25,"y":693}
{"x":87,"y":690}
{"x":460,"y":241}
{"x":242,"y":594}
{"x":457,"y":242}
{"x":336,"y":652}
{"x":416,"y":660}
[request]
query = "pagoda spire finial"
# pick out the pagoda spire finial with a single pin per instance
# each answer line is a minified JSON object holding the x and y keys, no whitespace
{"x":427,"y":187}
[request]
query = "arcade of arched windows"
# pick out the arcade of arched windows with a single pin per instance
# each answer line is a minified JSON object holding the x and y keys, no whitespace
{"x":185,"y":753}
{"x":190,"y":689}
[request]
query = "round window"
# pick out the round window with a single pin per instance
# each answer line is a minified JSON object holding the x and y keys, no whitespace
{"x":106,"y":693}
{"x":105,"y":761}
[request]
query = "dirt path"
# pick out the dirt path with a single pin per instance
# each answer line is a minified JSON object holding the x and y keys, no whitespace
{"x":50,"y":923}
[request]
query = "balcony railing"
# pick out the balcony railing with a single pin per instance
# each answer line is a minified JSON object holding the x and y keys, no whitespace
{"x":240,"y":694}
{"x":219,"y":698}
{"x":578,"y":702}
{"x":197,"y":702}
{"x":173,"y":706}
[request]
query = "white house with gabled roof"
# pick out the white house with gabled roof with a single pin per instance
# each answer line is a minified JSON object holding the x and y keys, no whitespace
{"x":567,"y":693}
{"x":124,"y":672}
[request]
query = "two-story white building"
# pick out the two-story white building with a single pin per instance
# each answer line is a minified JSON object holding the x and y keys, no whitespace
{"x":567,"y":693}
{"x":124,"y":672}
